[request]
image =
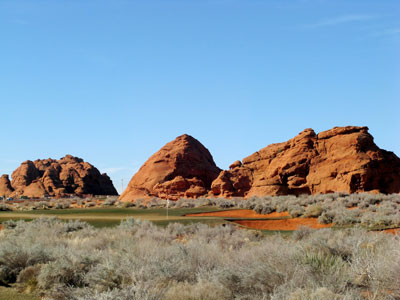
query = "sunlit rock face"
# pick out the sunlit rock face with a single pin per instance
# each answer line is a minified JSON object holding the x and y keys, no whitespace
{"x":182,"y":168}
{"x":342,"y":159}
{"x":59,"y":178}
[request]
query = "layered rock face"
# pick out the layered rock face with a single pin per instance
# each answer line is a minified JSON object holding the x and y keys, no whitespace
{"x":182,"y":168}
{"x":58,"y":178}
{"x":342,"y":159}
{"x":5,"y":186}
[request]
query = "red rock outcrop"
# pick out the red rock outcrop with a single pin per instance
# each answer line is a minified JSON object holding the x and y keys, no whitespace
{"x":182,"y":168}
{"x":58,"y":178}
{"x":342,"y":159}
{"x":5,"y":186}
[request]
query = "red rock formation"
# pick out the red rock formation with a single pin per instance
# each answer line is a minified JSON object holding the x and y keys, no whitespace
{"x":58,"y":178}
{"x":5,"y":186}
{"x":182,"y":168}
{"x":343,"y":159}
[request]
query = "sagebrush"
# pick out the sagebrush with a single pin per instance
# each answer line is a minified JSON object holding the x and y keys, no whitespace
{"x":138,"y":260}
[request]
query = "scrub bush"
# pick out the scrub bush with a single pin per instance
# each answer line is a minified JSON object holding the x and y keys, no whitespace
{"x":138,"y":260}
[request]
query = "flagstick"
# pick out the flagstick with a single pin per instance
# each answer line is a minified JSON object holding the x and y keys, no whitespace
{"x":167,"y":208}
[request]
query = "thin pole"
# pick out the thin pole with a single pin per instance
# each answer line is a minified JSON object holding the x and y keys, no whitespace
{"x":167,"y":208}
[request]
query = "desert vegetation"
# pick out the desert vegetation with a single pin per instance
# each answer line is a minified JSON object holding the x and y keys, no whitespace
{"x":370,"y":211}
{"x":138,"y":260}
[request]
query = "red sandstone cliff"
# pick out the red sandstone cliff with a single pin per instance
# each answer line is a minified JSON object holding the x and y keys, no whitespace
{"x":340,"y":159}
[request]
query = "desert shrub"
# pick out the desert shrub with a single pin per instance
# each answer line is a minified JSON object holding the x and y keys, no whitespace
{"x":56,"y":205}
{"x":67,"y":270}
{"x":74,"y":225}
{"x":248,"y":278}
{"x":176,"y":229}
{"x":321,"y":293}
{"x":14,"y":258}
{"x":5,"y":207}
{"x":156,"y":202}
{"x":205,"y":202}
{"x":139,"y":260}
{"x":28,"y":277}
{"x":64,"y":204}
{"x":345,"y":216}
{"x":376,"y":220}
{"x":326,"y":217}
{"x":128,"y":204}
{"x":202,"y":289}
{"x":90,"y":204}
{"x":109,"y":202}
{"x":106,"y":275}
{"x":185,"y":203}
{"x":296,"y":210}
{"x":302,"y":232}
{"x":388,"y":208}
{"x":9,"y":224}
{"x":139,"y":291}
{"x":313,"y":211}
{"x":41,"y":205}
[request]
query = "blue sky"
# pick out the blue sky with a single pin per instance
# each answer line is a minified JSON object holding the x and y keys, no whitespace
{"x":113,"y":81}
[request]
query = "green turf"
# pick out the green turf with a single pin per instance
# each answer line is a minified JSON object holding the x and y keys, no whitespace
{"x":115,"y":211}
{"x":7,"y":293}
{"x":4,"y":219}
{"x":211,"y":222}
{"x":108,"y":217}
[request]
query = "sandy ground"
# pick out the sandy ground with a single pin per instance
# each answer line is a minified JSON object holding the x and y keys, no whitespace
{"x":284,"y":224}
{"x":239,"y":213}
{"x":392,"y":231}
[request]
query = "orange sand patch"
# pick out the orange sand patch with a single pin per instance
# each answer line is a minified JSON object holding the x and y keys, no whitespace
{"x":285,"y":224}
{"x":276,"y":214}
{"x":239,"y":213}
{"x":392,"y":230}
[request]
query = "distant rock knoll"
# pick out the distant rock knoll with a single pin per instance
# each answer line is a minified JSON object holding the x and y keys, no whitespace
{"x":5,"y":186}
{"x":57,"y":178}
{"x":182,"y":168}
{"x":342,"y":159}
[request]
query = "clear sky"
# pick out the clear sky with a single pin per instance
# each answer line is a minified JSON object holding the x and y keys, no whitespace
{"x":113,"y":81}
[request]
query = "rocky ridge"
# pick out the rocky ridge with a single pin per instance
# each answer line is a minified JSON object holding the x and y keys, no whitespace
{"x":342,"y":159}
{"x":56,"y":178}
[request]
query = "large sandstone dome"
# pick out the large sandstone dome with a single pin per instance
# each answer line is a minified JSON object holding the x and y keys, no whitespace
{"x":182,"y":168}
{"x":342,"y":159}
{"x":57,"y":178}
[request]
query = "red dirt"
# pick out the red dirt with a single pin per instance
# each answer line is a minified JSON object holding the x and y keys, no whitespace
{"x":239,"y":213}
{"x":284,"y":224}
{"x":392,"y":230}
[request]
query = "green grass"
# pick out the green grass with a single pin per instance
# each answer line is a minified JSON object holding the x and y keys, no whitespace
{"x":98,"y":211}
{"x":108,"y":217}
{"x":212,"y":222}
{"x":7,"y":293}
